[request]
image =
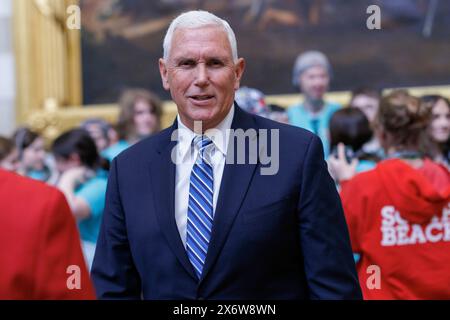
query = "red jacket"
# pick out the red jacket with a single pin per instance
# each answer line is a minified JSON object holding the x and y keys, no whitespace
{"x":38,"y":242}
{"x":399,"y":221}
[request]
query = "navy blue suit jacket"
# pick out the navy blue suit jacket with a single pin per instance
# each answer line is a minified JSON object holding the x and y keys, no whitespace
{"x":279,"y":236}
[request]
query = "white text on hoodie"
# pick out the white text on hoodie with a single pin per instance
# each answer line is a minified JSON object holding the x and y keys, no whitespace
{"x":398,"y":232}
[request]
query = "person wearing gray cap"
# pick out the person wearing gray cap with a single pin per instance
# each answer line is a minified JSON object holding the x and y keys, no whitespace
{"x":311,"y":74}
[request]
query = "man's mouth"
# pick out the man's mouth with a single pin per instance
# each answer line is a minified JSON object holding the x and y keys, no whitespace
{"x":201,"y":97}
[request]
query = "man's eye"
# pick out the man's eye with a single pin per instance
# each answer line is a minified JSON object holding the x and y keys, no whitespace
{"x":215,"y":63}
{"x":186,"y":63}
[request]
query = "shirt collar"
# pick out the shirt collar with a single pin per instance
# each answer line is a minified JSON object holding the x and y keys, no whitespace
{"x":219,"y":135}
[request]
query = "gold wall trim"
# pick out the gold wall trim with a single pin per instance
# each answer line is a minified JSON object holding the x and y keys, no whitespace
{"x":48,"y":56}
{"x":74,"y":63}
{"x":49,"y":73}
{"x":343,"y":97}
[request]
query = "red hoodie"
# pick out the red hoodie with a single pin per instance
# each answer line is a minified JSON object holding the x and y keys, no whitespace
{"x":40,"y":253}
{"x":399,"y":222}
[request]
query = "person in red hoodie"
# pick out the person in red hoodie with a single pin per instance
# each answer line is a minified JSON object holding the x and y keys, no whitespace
{"x":398,"y":214}
{"x":40,"y":251}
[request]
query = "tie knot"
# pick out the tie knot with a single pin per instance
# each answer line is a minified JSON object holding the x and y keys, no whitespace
{"x":202,"y":142}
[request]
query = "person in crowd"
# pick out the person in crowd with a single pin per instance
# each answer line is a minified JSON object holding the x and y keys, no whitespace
{"x":439,"y":128}
{"x":311,"y":74}
{"x":140,"y":117}
{"x":278,"y":113}
{"x":83,"y":181}
{"x":99,"y":130}
{"x":113,"y":135}
{"x":350,"y":127}
{"x":367,"y":99}
{"x":40,"y":253}
{"x":9,"y":157}
{"x":398,"y":214}
{"x":168,"y":233}
{"x":34,"y":162}
{"x":254,"y":101}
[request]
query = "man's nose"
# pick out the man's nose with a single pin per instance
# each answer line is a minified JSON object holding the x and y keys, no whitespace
{"x":201,"y":77}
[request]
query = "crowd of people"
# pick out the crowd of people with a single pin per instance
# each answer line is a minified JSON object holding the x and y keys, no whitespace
{"x":389,"y":154}
{"x":77,"y":162}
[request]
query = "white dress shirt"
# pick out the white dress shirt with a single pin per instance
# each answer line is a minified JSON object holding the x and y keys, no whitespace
{"x":186,"y":154}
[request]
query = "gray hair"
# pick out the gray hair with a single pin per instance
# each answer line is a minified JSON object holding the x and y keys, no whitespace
{"x":307,"y":60}
{"x":197,"y":19}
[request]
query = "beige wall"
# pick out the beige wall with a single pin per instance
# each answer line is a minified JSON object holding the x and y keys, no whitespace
{"x":7,"y":78}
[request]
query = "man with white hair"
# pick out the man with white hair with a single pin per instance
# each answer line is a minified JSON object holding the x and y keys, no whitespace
{"x":215,"y":228}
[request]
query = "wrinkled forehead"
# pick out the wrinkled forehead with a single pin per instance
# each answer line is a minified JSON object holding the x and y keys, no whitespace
{"x":204,"y":38}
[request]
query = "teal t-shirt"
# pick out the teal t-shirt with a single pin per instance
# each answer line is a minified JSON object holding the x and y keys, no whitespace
{"x":318,"y":124}
{"x":113,"y":151}
{"x":93,"y":192}
{"x":365,"y":165}
{"x":41,"y":175}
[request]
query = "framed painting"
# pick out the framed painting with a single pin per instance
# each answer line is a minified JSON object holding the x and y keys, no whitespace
{"x":122,"y":41}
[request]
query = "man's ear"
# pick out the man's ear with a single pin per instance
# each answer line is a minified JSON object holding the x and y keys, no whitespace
{"x":239,"y":71}
{"x":164,"y":74}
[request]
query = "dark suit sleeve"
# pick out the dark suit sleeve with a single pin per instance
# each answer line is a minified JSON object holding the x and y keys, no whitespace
{"x":113,"y":270}
{"x":329,"y":265}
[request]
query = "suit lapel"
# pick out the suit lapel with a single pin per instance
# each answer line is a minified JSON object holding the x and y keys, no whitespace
{"x":162,"y":172}
{"x":233,"y":188}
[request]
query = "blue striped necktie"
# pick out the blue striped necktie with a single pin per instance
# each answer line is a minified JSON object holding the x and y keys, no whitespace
{"x":200,"y":205}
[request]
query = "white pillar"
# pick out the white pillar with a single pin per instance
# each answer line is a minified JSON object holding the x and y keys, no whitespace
{"x":7,"y":78}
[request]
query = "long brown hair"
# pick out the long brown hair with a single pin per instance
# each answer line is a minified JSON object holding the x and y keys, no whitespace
{"x":434,"y":148}
{"x":125,"y":126}
{"x":23,"y":138}
{"x":6,"y":147}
